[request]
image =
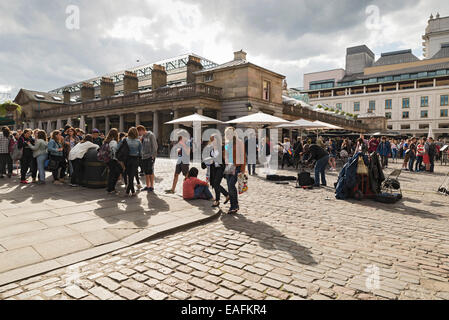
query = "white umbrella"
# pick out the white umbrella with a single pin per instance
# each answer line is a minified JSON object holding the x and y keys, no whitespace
{"x":302,"y":124}
{"x":194,"y":118}
{"x":430,"y":133}
{"x":327,"y":126}
{"x":259,"y":119}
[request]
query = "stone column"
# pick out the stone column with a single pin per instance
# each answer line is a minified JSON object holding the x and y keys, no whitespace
{"x":137,"y":119}
{"x":434,"y":82}
{"x":122,"y":123}
{"x":364,"y":89}
{"x":39,"y":125}
{"x":380,"y":88}
{"x":175,"y":116}
{"x":58,"y":124}
{"x":156,"y":123}
{"x":107,"y":124}
{"x":94,"y":123}
{"x":332,"y":93}
{"x":397,"y":86}
{"x":415,"y":84}
{"x":69,"y":123}
{"x":83,"y":123}
{"x":49,"y":128}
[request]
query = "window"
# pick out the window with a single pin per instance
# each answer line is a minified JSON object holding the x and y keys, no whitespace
{"x":390,"y":127}
{"x":405,"y":103}
{"x":209,"y":77}
{"x":405,"y":115}
{"x":444,"y":101}
{"x":356,"y":106}
{"x":424,"y":114}
{"x":424,"y":101}
{"x":424,"y":126}
{"x":372,"y":105}
{"x":388,"y":115}
{"x":388,"y":104}
{"x":266,"y":90}
{"x":443,"y":113}
{"x":405,"y":127}
{"x":339,"y":107}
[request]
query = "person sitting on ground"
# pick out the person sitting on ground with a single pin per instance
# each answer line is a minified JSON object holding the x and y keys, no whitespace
{"x":75,"y":157}
{"x":194,"y":188}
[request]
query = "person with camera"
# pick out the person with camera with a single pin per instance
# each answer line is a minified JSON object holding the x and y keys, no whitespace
{"x":316,"y":153}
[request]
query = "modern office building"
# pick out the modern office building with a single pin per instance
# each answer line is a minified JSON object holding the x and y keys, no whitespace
{"x":411,"y":93}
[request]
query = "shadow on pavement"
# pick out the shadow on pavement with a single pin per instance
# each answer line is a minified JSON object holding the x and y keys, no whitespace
{"x":269,"y":237}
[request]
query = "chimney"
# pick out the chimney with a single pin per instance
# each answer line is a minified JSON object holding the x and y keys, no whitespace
{"x":87,"y":92}
{"x":66,"y":94}
{"x":158,"y":77}
{"x":130,"y":83}
{"x":107,"y":87}
{"x":193,"y":65}
{"x":240,"y":55}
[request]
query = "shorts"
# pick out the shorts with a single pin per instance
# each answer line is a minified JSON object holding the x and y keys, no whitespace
{"x":148,"y":166}
{"x":184,"y":168}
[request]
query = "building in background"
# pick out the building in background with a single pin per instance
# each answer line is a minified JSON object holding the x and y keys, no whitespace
{"x":411,"y":93}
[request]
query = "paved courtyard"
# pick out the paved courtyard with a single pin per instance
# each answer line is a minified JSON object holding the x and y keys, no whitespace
{"x":286,"y":243}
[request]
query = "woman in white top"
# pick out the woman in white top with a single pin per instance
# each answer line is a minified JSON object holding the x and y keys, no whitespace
{"x":76,"y":155}
{"x":285,"y":155}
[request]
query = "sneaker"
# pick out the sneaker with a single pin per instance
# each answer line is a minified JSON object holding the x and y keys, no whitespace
{"x":24,"y":182}
{"x":169,"y":191}
{"x":145,"y":189}
{"x":139,"y":186}
{"x":150,"y":189}
{"x":57,"y":182}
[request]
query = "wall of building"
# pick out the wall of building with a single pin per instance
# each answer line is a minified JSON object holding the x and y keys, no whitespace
{"x":336,"y":74}
{"x":434,"y":119}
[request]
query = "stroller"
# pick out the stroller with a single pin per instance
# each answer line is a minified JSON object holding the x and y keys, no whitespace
{"x":444,"y":188}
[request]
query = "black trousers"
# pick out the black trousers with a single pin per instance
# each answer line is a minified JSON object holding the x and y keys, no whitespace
{"x":131,"y":170}
{"x":5,"y":163}
{"x":216,"y":176}
{"x":115,"y":170}
{"x":77,"y":173}
{"x":59,"y":172}
{"x":33,"y":168}
{"x":25,"y":164}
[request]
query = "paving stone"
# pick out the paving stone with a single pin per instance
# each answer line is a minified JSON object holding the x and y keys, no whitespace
{"x":224,"y":293}
{"x":117,"y":276}
{"x":136,"y":286}
{"x":157,"y":295}
{"x":75,"y":292}
{"x":51,"y":293}
{"x":271,"y":283}
{"x":203,"y":284}
{"x":108,"y":283}
{"x":127,"y":294}
{"x":180,"y":295}
{"x":101,"y":293}
{"x":232,"y":278}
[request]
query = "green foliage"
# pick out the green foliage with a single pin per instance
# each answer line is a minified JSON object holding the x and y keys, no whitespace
{"x":320,"y":106}
{"x":7,"y":106}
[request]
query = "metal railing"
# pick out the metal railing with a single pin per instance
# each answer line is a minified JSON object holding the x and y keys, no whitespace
{"x":83,"y":108}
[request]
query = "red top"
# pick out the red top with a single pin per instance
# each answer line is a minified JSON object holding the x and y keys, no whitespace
{"x":188,"y":188}
{"x":421,"y":150}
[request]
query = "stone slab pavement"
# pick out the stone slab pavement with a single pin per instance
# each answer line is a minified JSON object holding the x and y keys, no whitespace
{"x":46,"y":227}
{"x":285,"y":243}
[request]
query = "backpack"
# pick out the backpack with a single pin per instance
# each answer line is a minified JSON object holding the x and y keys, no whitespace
{"x":123,"y":151}
{"x":304,"y":179}
{"x":104,"y":153}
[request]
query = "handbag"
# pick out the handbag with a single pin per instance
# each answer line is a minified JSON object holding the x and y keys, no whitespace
{"x":242,"y":180}
{"x":362,"y":169}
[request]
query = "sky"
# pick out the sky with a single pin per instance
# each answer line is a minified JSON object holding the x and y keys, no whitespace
{"x":47,"y":44}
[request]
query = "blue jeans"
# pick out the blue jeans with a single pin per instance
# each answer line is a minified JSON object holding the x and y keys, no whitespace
{"x":202,"y":192}
{"x":411,"y":162}
{"x":41,"y":166}
{"x":233,"y":193}
{"x":320,"y":168}
{"x":394,"y":153}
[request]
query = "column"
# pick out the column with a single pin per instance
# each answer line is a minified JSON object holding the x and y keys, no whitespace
{"x":175,"y":116}
{"x":156,"y":123}
{"x":416,"y":84}
{"x":69,"y":123}
{"x":349,"y":91}
{"x":346,"y":91}
{"x":397,"y":86}
{"x":58,"y":124}
{"x":107,"y":125}
{"x":137,"y":119}
{"x":200,"y":111}
{"x":122,"y":123}
{"x":83,"y":123}
{"x":49,"y":129}
{"x":364,"y":89}
{"x":332,"y":93}
{"x":39,"y":125}
{"x":434,"y":82}
{"x":94,"y":123}
{"x":380,"y":88}
{"x":319,"y":94}
{"x":219,"y":115}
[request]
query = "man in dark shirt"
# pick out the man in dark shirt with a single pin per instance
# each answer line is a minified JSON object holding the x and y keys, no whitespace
{"x":96,"y":135}
{"x":412,"y":152}
{"x":432,"y":153}
{"x":315,"y":152}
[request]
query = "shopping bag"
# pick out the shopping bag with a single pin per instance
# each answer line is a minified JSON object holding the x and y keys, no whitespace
{"x":242,"y":180}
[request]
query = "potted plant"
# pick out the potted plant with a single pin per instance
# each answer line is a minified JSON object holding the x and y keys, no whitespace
{"x":9,"y":106}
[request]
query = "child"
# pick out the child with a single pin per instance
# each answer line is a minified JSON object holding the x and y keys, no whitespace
{"x":194,"y":188}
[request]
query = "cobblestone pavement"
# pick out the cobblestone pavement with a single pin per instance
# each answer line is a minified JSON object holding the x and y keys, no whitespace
{"x":286,"y":243}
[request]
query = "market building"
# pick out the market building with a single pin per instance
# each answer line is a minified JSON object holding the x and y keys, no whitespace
{"x":411,"y":93}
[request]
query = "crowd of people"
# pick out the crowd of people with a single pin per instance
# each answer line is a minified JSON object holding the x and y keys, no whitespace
{"x":63,"y":151}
